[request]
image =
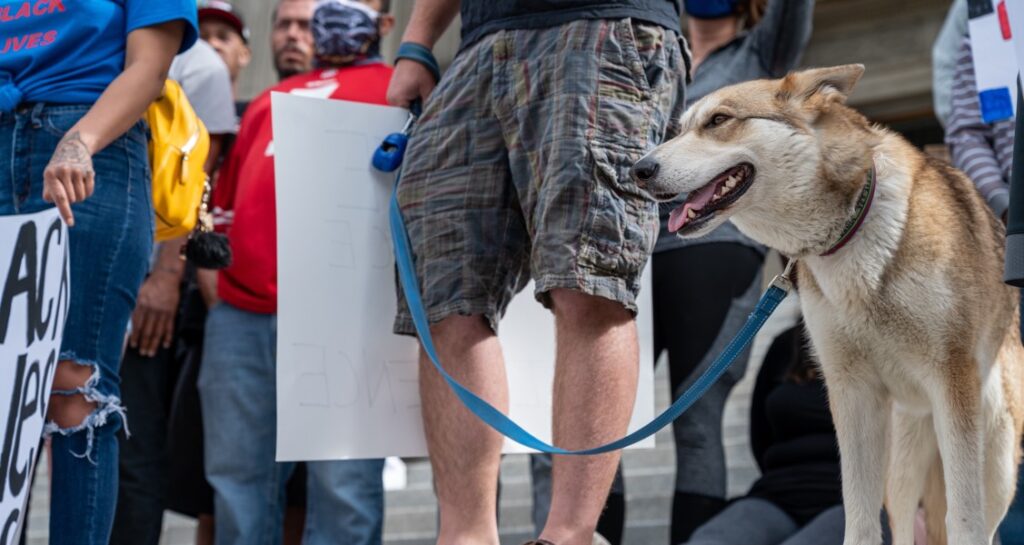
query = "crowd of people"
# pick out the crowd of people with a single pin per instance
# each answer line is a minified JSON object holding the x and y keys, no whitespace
{"x":542,"y":113}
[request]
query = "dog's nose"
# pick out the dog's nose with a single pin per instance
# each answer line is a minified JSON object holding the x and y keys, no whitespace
{"x":645,"y":169}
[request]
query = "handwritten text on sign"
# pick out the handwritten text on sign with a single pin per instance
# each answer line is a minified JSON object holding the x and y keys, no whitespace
{"x":33,"y":308}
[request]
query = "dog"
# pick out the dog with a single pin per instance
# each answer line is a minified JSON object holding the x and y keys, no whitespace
{"x":899,"y":265}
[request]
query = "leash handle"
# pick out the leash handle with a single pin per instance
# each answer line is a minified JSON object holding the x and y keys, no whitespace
{"x":506,"y":426}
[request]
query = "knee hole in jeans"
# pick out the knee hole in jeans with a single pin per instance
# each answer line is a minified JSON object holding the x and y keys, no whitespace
{"x":78,"y":405}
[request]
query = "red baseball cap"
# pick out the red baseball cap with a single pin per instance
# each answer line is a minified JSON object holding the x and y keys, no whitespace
{"x":225,"y":12}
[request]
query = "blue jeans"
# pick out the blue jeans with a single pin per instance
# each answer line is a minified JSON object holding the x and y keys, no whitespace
{"x":345,"y":499}
{"x":109,"y":253}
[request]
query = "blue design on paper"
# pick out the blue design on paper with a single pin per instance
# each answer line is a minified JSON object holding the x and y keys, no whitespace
{"x":996,"y":104}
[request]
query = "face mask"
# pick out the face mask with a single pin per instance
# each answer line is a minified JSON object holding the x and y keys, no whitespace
{"x":710,"y":9}
{"x":345,"y":31}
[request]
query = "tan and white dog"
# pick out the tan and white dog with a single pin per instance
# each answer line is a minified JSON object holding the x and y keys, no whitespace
{"x":916,"y":334}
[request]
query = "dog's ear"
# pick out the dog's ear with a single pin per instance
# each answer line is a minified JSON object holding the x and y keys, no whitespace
{"x":831,"y":84}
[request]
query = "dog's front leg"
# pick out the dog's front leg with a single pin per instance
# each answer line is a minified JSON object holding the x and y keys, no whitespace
{"x":860,"y":408}
{"x":958,"y":428}
{"x":912,"y":451}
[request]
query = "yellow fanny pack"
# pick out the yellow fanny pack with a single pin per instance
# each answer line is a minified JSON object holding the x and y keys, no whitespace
{"x":178,"y":148}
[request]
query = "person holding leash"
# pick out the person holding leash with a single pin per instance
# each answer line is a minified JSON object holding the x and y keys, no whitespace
{"x":519,"y":168}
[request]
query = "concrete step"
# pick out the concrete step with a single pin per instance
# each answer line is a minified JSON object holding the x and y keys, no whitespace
{"x":641,"y":533}
{"x":517,"y":511}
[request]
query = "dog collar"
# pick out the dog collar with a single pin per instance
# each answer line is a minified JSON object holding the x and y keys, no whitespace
{"x":863,"y":205}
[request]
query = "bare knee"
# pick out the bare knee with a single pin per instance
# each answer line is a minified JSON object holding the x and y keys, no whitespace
{"x":584,"y":309}
{"x":464,"y":330}
{"x":69,"y":411}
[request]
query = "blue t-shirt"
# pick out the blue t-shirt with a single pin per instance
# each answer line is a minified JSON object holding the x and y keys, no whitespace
{"x":68,"y":51}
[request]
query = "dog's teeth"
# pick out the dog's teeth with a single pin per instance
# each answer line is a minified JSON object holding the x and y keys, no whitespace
{"x":731,"y":182}
{"x":690,"y":214}
{"x":715,"y":197}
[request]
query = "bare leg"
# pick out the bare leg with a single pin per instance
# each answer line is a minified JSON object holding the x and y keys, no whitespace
{"x":464,"y":452}
{"x":595,"y":388}
{"x":70,"y":411}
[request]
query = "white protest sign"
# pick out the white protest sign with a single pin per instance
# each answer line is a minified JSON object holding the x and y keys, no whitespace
{"x":993,"y":52}
{"x":346,"y":386}
{"x":1015,"y":12}
{"x":33,"y":308}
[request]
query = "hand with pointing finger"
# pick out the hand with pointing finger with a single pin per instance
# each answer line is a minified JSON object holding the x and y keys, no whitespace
{"x":69,"y":177}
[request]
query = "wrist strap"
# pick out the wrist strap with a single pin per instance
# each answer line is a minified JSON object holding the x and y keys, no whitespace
{"x":421,"y":54}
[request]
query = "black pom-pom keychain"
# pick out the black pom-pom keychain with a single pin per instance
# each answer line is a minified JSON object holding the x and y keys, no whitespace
{"x":206,"y":248}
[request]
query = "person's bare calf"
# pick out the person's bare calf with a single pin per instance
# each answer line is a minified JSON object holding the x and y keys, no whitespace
{"x":464,"y":452}
{"x":595,"y":389}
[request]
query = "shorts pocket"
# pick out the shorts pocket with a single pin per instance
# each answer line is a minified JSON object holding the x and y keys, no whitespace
{"x":622,"y":223}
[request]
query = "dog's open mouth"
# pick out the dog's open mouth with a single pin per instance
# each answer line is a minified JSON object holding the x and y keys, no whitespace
{"x":701,"y":204}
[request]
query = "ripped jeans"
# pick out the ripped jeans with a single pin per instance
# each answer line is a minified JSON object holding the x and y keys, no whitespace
{"x":109,"y":247}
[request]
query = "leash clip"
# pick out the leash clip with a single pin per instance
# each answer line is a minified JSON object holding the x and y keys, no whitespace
{"x":409,"y":123}
{"x":388,"y":156}
{"x":783,"y":281}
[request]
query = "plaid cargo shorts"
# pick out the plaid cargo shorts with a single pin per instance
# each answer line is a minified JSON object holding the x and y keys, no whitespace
{"x":519,"y":166}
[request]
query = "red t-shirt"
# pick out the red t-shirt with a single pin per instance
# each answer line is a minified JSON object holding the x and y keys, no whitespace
{"x":244,"y":199}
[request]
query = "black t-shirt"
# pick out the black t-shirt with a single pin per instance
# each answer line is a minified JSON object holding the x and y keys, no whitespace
{"x":482,"y":17}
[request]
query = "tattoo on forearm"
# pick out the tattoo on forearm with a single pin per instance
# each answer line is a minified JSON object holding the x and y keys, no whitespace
{"x":73,"y":152}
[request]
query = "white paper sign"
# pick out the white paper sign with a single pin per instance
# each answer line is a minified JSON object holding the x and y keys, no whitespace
{"x":993,"y":52}
{"x":1016,"y":14}
{"x":346,"y":386}
{"x":33,"y":308}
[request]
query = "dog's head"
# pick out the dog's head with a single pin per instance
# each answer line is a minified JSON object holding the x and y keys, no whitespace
{"x":760,"y":152}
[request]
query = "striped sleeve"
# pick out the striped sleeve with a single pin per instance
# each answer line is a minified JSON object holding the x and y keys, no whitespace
{"x":971,"y":140}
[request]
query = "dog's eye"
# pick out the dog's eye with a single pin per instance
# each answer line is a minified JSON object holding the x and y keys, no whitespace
{"x":716,"y":120}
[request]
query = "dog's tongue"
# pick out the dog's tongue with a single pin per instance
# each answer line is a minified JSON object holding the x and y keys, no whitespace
{"x":695,"y":201}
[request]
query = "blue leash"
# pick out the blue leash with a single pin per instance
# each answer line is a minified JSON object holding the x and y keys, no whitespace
{"x":388,"y":158}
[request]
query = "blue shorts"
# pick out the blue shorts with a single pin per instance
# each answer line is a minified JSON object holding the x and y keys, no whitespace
{"x":110,"y":243}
